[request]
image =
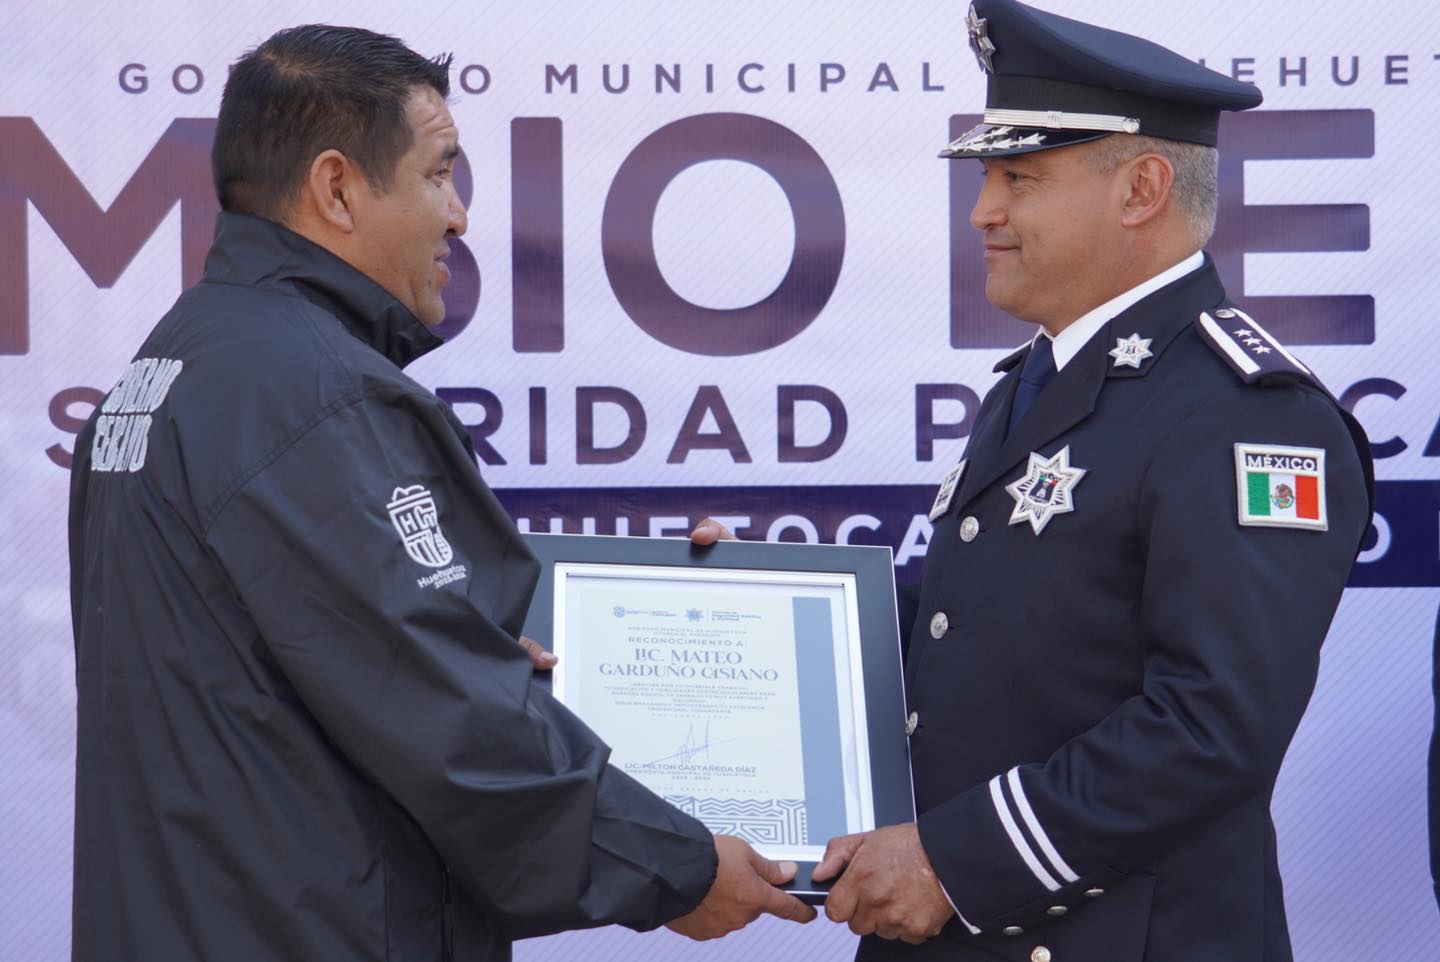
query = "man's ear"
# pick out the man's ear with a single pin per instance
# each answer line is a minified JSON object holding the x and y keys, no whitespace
{"x":1150,"y":179}
{"x":329,"y":190}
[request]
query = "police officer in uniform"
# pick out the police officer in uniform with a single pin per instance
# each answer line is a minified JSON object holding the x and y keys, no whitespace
{"x":1133,"y":567}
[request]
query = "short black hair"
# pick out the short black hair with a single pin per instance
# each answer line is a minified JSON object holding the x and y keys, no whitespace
{"x":306,"y":90}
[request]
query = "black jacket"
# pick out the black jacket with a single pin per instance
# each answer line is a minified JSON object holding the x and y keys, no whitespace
{"x":1104,"y":693}
{"x":306,"y":730}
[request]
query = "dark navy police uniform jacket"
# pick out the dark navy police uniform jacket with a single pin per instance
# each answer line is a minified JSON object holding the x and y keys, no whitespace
{"x":1107,"y":667}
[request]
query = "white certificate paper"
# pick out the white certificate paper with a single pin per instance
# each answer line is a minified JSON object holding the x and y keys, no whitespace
{"x":728,"y":692}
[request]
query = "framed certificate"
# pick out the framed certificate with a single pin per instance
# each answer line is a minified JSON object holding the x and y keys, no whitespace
{"x":756,"y":686}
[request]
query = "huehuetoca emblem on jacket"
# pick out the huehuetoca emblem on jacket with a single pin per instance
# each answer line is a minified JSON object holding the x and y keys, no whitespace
{"x":413,"y":512}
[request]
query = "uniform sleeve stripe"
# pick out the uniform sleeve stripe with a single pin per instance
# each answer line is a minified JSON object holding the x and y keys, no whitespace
{"x":1217,"y":334}
{"x":1002,"y":808}
{"x":1250,"y":322}
{"x":1033,"y":823}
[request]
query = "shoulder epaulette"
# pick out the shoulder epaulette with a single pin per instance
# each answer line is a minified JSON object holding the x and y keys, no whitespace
{"x":1013,"y":358}
{"x":1248,"y":348}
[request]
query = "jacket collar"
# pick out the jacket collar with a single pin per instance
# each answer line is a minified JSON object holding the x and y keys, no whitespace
{"x":1075,"y":336}
{"x":1161,"y":317}
{"x":1072,"y":395}
{"x":254,"y":252}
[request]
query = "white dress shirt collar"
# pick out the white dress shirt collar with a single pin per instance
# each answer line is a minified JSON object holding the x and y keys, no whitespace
{"x":1069,"y":341}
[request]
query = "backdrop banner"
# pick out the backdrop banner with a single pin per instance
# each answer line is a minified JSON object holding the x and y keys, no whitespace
{"x":714,"y":266}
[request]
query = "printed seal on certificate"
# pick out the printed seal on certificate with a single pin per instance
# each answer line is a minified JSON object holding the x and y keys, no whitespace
{"x":756,"y":686}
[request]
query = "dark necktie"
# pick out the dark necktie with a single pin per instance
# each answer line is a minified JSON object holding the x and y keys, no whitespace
{"x":1039,"y":369}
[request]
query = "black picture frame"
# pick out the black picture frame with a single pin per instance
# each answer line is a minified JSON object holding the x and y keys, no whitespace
{"x":892,"y":799}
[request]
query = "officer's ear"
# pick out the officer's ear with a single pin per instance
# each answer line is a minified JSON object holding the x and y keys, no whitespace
{"x":1149,"y":179}
{"x":330,"y":189}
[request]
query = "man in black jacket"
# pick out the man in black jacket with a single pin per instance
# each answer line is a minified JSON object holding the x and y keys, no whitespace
{"x":306,"y":730}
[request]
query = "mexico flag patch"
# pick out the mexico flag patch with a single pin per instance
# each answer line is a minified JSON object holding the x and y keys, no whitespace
{"x":1281,"y":487}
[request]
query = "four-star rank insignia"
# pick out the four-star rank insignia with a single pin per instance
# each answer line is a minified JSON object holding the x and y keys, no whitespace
{"x":1130,"y":351}
{"x":1045,"y":490}
{"x":980,"y":40}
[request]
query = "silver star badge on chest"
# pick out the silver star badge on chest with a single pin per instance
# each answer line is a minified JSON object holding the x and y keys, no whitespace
{"x":1045,"y":490}
{"x":1130,"y":351}
{"x":980,"y":40}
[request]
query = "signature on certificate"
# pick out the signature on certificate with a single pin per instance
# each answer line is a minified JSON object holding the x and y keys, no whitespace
{"x":692,"y":747}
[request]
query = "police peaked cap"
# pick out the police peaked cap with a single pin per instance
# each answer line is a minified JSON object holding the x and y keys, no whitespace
{"x":1052,"y":82}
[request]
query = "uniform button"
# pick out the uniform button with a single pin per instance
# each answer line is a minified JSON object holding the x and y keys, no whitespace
{"x":1012,"y":930}
{"x":912,"y":723}
{"x":1225,"y":313}
{"x":939,"y":624}
{"x":969,"y":528}
{"x":1056,"y":911}
{"x":1094,"y":893}
{"x":1040,"y":954}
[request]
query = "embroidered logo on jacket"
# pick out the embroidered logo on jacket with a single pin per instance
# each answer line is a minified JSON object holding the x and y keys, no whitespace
{"x":413,"y":512}
{"x":1280,"y":487}
{"x":122,"y":431}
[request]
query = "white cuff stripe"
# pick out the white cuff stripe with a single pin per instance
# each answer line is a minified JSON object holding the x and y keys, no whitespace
{"x":1028,"y":813}
{"x":1250,"y":322}
{"x":963,"y":920}
{"x":1222,"y":337}
{"x":1002,"y":808}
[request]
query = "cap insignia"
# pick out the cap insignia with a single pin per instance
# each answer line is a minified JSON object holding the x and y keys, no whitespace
{"x":980,"y":40}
